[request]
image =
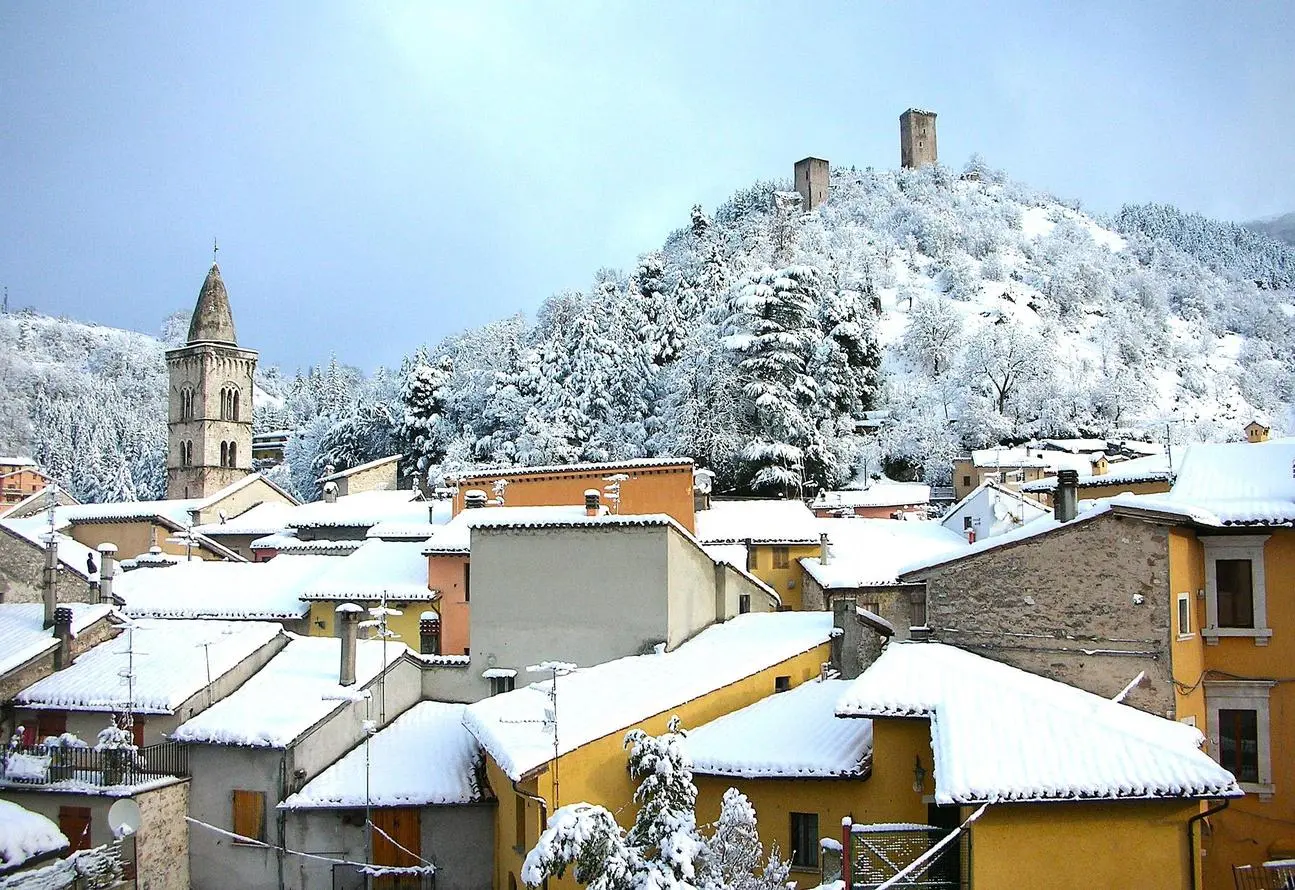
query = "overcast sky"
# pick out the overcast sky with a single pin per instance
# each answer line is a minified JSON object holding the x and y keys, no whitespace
{"x":382,"y":174}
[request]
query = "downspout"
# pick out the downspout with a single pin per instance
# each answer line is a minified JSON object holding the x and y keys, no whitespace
{"x":544,"y":816}
{"x":280,"y":816}
{"x":1191,"y":840}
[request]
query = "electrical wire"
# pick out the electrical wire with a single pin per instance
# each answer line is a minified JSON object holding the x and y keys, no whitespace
{"x":251,"y":841}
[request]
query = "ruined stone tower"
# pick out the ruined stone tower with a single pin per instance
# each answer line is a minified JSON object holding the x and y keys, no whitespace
{"x":209,"y":413}
{"x":917,"y":138}
{"x":811,"y":182}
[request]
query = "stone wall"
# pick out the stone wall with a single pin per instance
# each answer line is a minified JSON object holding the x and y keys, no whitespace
{"x":162,"y":845}
{"x":1087,"y":604}
{"x":13,"y":683}
{"x":22,"y":565}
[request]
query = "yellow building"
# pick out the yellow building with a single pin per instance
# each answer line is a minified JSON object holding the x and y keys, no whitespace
{"x":1082,"y":792}
{"x":776,"y":535}
{"x":533,"y":770}
{"x":390,"y":571}
{"x":1231,"y":565}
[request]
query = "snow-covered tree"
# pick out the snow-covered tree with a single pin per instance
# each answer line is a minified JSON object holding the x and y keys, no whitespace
{"x":735,"y":856}
{"x":933,"y":335}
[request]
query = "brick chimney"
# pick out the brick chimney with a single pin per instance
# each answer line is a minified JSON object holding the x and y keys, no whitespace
{"x":593,"y":502}
{"x":1066,"y":500}
{"x":348,"y":617}
{"x":63,"y":633}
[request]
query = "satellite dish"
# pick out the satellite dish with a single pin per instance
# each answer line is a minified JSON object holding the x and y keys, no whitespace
{"x":124,"y":818}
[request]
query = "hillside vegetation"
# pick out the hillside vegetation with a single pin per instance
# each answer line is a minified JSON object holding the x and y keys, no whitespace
{"x":973,"y":309}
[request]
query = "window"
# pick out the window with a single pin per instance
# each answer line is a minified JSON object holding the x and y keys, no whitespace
{"x":50,"y":723}
{"x":966,"y":480}
{"x":1235,"y":592}
{"x":1184,"y":615}
{"x":233,"y":454}
{"x":1235,"y":588}
{"x":781,"y":684}
{"x":1237,"y":714}
{"x":186,"y":404}
{"x":752,"y":560}
{"x":467,"y":584}
{"x":1239,"y":743}
{"x":224,"y":454}
{"x":74,"y":822}
{"x":429,"y":637}
{"x":500,"y":685}
{"x":743,"y":603}
{"x":781,"y":557}
{"x":804,"y":840}
{"x":249,"y":814}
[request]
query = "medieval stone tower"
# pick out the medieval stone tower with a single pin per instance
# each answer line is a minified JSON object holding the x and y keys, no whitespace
{"x":209,"y":419}
{"x":917,"y":138}
{"x":811,"y":182}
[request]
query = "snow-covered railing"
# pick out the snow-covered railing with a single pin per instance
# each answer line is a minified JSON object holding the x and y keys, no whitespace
{"x":54,"y":764}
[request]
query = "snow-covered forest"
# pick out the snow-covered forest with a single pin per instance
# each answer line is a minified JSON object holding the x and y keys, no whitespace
{"x":969,"y":309}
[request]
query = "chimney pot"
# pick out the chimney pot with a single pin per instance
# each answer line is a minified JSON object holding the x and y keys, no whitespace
{"x":1066,"y":501}
{"x":330,"y":492}
{"x":593,"y":505}
{"x":474,"y":499}
{"x":63,"y":632}
{"x":824,"y":548}
{"x":348,"y":616}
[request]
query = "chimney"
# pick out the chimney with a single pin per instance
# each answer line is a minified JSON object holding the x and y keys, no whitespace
{"x":592,"y":502}
{"x":474,"y":499}
{"x":107,"y":570}
{"x":63,"y":633}
{"x":49,"y":592}
{"x":1066,"y":503}
{"x":348,"y":616}
{"x":824,"y":549}
{"x":330,"y":492}
{"x":847,"y":637}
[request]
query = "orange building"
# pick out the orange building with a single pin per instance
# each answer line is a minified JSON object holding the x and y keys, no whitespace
{"x":19,"y":479}
{"x":651,"y":485}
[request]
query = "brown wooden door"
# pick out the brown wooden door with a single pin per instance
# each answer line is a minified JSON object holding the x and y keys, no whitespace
{"x":404,"y":827}
{"x":50,"y":723}
{"x":74,"y":822}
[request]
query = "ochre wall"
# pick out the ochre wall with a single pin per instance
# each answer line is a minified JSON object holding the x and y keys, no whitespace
{"x":1083,"y":845}
{"x":133,"y":538}
{"x":445,"y":574}
{"x":788,"y":582}
{"x":21,"y":484}
{"x":405,"y":624}
{"x":596,"y":773}
{"x":648,"y":490}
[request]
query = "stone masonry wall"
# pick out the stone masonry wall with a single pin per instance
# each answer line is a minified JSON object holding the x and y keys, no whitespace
{"x":21,"y":567}
{"x":1087,"y":605}
{"x":162,"y":845}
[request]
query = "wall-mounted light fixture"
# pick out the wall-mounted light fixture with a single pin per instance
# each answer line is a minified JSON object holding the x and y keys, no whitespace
{"x":919,"y":774}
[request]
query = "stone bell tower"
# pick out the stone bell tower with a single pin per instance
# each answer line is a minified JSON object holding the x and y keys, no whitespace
{"x":209,"y":405}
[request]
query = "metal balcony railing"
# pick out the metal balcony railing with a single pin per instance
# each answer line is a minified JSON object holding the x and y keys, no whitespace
{"x":1275,"y":876}
{"x":48,"y":765}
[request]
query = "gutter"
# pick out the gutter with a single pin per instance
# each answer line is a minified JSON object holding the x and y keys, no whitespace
{"x":1191,"y":840}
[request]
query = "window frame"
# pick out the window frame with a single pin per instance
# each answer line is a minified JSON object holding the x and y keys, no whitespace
{"x":781,"y":556}
{"x":1226,"y":547}
{"x":1183,"y":604}
{"x":1243,"y":695}
{"x":803,"y":860}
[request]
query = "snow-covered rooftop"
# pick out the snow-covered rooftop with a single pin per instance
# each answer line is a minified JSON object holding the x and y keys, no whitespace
{"x":25,"y":835}
{"x":1232,"y":484}
{"x":23,"y":635}
{"x":431,"y":734}
{"x":268,"y":591}
{"x":288,"y":542}
{"x":263,"y":519}
{"x":177,"y":511}
{"x":371,"y":465}
{"x":794,"y":734}
{"x":759,"y":521}
{"x":456,"y":535}
{"x":397,"y":569}
{"x":869,"y":552}
{"x":297,"y":689}
{"x":607,"y":698}
{"x":362,"y":510}
{"x":878,"y":494}
{"x":167,"y":660}
{"x":1000,"y":734}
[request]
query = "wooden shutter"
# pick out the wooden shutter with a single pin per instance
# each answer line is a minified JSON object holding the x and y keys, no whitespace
{"x":404,"y":826}
{"x":137,"y":730}
{"x":74,"y":822}
{"x":249,"y":814}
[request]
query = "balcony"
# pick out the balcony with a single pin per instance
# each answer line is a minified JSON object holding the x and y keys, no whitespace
{"x":38,"y":766}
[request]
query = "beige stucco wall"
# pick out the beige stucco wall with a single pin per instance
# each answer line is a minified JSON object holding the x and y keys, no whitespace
{"x":690,"y":585}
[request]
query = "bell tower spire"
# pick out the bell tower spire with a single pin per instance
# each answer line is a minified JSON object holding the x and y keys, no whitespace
{"x":209,"y":422}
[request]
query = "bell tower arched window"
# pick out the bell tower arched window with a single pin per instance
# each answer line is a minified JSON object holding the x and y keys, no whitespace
{"x":224,"y":454}
{"x":233,"y":454}
{"x":186,"y":404}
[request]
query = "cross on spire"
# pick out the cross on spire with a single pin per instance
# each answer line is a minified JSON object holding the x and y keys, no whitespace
{"x":214,"y":249}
